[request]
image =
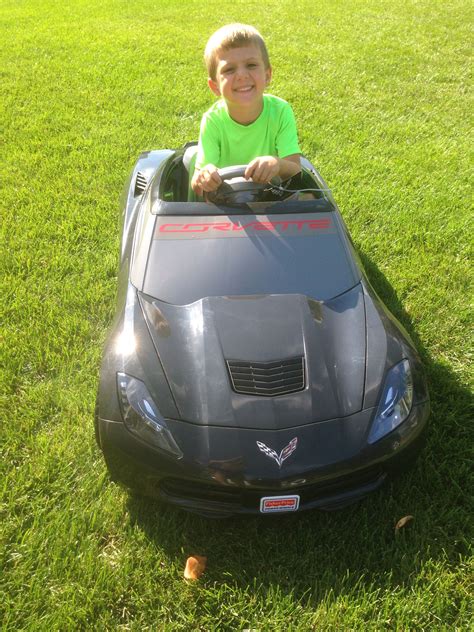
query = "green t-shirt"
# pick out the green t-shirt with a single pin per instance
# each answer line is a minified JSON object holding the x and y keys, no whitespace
{"x":223,"y":142}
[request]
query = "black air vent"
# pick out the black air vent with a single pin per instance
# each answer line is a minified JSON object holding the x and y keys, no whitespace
{"x":140,"y":183}
{"x":267,"y":378}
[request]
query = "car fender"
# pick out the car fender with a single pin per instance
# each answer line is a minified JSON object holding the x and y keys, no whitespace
{"x":132,"y":196}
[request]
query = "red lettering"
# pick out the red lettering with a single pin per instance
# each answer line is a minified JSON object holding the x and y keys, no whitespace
{"x":283,"y":224}
{"x":165,"y":228}
{"x":280,"y":503}
{"x":260,"y":225}
{"x":320,"y":224}
{"x":224,"y":226}
{"x":280,"y":225}
{"x":201,"y":228}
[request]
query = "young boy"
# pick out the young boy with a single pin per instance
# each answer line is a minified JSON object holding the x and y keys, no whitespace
{"x":245,"y":126}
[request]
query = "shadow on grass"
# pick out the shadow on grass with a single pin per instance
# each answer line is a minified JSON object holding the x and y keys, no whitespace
{"x":314,"y":555}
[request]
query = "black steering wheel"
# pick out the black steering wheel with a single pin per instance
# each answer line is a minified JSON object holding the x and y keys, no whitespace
{"x":235,"y":189}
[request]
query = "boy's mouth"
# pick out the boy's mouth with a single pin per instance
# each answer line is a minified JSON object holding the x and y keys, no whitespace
{"x":244,"y":89}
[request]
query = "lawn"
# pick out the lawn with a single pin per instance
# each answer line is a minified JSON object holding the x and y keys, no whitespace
{"x":382,"y":95}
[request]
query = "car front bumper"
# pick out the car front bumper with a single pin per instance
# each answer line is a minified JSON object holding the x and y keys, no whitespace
{"x":223,"y":472}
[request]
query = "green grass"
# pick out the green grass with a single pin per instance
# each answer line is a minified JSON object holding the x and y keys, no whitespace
{"x":382,"y":95}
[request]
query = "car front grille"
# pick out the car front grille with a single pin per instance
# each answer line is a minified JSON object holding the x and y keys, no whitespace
{"x":267,"y":378}
{"x":235,"y":497}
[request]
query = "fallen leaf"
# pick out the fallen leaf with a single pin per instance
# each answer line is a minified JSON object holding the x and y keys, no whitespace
{"x":402,"y":522}
{"x":195,"y":566}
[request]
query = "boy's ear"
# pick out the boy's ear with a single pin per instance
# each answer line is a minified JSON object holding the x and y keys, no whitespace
{"x":268,"y":75}
{"x":214,"y":87}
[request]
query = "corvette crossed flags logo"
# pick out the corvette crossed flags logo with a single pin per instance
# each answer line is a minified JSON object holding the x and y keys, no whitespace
{"x":284,"y":454}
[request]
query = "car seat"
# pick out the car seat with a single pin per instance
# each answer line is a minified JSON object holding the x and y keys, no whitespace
{"x":189,"y":160}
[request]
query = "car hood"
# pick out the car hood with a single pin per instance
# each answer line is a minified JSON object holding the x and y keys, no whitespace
{"x":195,"y":342}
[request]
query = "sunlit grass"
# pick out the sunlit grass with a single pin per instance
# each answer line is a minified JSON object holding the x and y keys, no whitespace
{"x":382,"y":96}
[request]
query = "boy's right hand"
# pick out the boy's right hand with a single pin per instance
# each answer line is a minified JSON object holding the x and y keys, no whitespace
{"x":205,"y":180}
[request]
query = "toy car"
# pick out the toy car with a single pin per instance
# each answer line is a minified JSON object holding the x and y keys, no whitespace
{"x":250,"y":368}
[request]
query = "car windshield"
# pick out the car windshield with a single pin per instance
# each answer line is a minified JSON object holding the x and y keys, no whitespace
{"x":195,"y":256}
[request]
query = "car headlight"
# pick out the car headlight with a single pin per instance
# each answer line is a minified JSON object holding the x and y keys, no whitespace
{"x":395,"y":403}
{"x":141,"y":415}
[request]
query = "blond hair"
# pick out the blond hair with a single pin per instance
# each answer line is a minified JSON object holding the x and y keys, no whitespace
{"x":232,"y":36}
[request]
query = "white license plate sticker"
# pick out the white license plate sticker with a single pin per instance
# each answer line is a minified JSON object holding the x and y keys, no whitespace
{"x":275,"y":504}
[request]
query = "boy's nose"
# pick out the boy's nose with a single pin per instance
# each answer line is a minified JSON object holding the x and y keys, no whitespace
{"x":242,"y":71}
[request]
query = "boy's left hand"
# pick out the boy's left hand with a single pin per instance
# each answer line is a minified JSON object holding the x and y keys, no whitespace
{"x":263,"y":169}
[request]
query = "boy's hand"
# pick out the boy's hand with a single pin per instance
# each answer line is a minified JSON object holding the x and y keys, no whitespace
{"x":263,"y":169}
{"x":206,"y":179}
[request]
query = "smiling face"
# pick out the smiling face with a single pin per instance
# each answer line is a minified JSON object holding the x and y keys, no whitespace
{"x":241,"y":78}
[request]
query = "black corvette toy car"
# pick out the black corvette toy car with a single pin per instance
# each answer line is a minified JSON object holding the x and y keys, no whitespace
{"x":251,"y":368}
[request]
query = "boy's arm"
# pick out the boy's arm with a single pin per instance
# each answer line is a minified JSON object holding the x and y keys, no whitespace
{"x":206,"y":177}
{"x":264,"y":168}
{"x":261,"y":169}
